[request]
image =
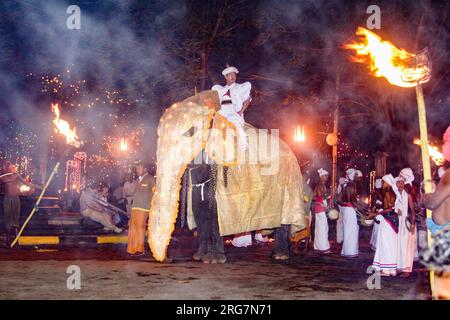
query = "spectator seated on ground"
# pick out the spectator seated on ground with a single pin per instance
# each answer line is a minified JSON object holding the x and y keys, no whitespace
{"x":90,"y":208}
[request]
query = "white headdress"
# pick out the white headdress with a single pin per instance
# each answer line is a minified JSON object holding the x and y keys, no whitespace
{"x":322,"y":172}
{"x":351,"y":173}
{"x":408,"y":175}
{"x":378,"y":183}
{"x":229,"y":70}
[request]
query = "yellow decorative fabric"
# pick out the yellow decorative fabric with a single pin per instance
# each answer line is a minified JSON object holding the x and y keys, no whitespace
{"x":261,"y":194}
{"x":181,"y":126}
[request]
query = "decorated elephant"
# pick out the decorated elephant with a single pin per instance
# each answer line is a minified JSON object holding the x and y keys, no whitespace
{"x":253,"y":188}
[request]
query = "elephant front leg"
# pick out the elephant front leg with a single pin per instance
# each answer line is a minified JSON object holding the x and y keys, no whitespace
{"x":201,"y":220}
{"x":282,"y":243}
{"x":217,"y":247}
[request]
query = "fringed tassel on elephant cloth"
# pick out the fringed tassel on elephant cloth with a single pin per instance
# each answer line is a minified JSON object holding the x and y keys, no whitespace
{"x":261,"y":193}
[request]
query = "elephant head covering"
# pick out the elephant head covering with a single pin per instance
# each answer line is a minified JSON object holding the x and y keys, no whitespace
{"x":322,"y":172}
{"x":408,"y":175}
{"x":351,"y":173}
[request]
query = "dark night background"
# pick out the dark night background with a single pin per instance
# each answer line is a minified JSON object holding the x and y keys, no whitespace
{"x":132,"y":59}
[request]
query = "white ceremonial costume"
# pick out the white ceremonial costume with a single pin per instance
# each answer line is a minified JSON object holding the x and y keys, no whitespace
{"x":321,"y":242}
{"x":232,"y":98}
{"x":406,"y":239}
{"x":385,"y":258}
{"x":350,"y":244}
{"x":339,"y":227}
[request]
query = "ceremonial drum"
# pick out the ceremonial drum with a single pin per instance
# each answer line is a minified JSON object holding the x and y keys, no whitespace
{"x":333,"y":214}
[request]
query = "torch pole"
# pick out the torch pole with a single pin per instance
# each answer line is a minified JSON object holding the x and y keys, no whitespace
{"x":36,"y":204}
{"x":425,"y":160}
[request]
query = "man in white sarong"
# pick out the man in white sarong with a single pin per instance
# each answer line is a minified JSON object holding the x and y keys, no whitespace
{"x":321,"y":243}
{"x":376,"y":205}
{"x":407,"y":232}
{"x":234,"y":100}
{"x":350,"y":175}
{"x":350,"y":227}
{"x":385,"y":258}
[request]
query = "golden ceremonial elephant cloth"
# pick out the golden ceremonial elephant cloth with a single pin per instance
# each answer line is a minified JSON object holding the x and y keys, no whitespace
{"x":263,"y":188}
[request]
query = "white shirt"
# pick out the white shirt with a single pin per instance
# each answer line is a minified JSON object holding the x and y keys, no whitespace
{"x":239,"y":92}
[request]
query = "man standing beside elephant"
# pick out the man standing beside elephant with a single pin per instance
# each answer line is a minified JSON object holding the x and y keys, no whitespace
{"x":141,"y":206}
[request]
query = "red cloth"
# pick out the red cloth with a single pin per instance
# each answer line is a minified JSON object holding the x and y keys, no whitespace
{"x":318,"y":204}
{"x":228,"y":93}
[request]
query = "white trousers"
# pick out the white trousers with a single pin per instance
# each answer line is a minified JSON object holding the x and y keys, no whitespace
{"x":99,"y":217}
{"x":350,"y":232}
{"x":339,"y":227}
{"x":321,"y":242}
{"x":406,"y":246}
{"x":242,"y":240}
{"x":232,"y":116}
{"x":385,"y":258}
{"x":373,"y":238}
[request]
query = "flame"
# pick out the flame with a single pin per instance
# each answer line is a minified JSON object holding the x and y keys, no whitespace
{"x":388,"y":61}
{"x":123,"y":144}
{"x":299,"y":134}
{"x":434,"y":152}
{"x":63,"y":127}
{"x":24,"y":188}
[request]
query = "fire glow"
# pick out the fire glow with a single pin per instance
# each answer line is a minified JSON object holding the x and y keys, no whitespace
{"x":63,"y":127}
{"x":123,"y":145}
{"x":435,"y":154}
{"x":386,"y":60}
{"x":299,"y":134}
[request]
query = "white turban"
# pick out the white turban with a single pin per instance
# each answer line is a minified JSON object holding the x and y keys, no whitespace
{"x":359,"y":173}
{"x":389,"y":179}
{"x":229,"y":70}
{"x":351,"y":173}
{"x":408,"y":175}
{"x":441,"y":172}
{"x":322,"y":172}
{"x":378,"y":183}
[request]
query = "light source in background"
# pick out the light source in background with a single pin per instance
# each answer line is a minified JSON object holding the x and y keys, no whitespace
{"x":299,"y":134}
{"x":24,"y":188}
{"x":331,"y":139}
{"x":123,"y":146}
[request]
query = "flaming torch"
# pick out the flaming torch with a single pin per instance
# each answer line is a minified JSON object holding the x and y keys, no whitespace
{"x":63,"y":127}
{"x":434,"y":152}
{"x":402,"y":69}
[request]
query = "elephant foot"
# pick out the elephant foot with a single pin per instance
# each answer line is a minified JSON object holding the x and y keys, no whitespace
{"x":207,"y":258}
{"x":219,"y":258}
{"x":198,"y":255}
{"x":280,"y":256}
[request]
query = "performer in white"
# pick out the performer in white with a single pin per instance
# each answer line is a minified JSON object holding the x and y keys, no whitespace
{"x":406,"y":238}
{"x":321,"y":243}
{"x":349,"y":176}
{"x":376,"y":206}
{"x":385,"y":258}
{"x":234,"y":100}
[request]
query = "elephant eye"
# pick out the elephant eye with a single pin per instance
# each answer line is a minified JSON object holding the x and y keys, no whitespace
{"x":190,"y":132}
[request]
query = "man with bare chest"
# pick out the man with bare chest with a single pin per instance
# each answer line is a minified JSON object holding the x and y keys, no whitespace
{"x":12,"y":183}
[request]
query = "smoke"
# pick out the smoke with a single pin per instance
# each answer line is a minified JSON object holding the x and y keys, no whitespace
{"x":118,"y":49}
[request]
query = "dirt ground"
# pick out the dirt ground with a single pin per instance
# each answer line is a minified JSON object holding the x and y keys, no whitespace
{"x":108,"y":273}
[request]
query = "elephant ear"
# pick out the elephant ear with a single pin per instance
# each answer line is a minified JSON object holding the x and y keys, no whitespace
{"x":182,"y":133}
